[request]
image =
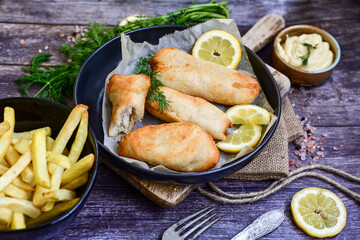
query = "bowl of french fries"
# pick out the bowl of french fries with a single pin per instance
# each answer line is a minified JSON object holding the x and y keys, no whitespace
{"x":48,"y":165}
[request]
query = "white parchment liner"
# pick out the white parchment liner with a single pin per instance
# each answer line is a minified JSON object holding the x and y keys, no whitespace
{"x":183,"y":40}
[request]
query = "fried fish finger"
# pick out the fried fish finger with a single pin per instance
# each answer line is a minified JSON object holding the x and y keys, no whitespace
{"x":186,"y":108}
{"x":179,"y":146}
{"x":211,"y":81}
{"x":127,"y":93}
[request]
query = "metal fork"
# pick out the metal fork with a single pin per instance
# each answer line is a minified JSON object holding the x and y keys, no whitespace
{"x":173,"y":233}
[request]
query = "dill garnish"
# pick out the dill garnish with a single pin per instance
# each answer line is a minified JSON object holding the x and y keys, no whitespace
{"x":57,"y":82}
{"x":305,"y":58}
{"x":154,"y":94}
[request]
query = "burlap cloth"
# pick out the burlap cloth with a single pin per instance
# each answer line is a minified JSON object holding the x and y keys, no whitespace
{"x":273,"y":161}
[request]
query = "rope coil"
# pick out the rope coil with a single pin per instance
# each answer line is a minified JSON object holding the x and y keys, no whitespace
{"x":279,"y":184}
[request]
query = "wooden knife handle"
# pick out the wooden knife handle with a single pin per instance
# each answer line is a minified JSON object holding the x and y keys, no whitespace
{"x":263,"y":31}
{"x":261,"y":34}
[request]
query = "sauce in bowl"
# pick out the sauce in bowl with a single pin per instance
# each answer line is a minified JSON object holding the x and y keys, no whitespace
{"x":308,"y":52}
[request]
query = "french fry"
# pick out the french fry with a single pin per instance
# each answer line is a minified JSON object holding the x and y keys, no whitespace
{"x":59,"y":195}
{"x":58,"y":159}
{"x":4,"y":127}
{"x":11,"y":157}
{"x":56,"y":211}
{"x":48,"y":206}
{"x":59,"y":145}
{"x":4,"y":163}
{"x":79,"y":168}
{"x":14,"y":141}
{"x":22,"y":145}
{"x":38,"y":152}
{"x":5,"y":139}
{"x":5,"y":218}
{"x":77,"y":182}
{"x":18,"y":221}
{"x":55,"y":185}
{"x":51,"y":168}
{"x":80,"y":139}
{"x":3,"y":169}
{"x":68,"y":128}
{"x":36,"y":188}
{"x":20,"y":184}
{"x":15,"y":170}
{"x":15,"y":192}
{"x":49,"y":142}
{"x":38,"y":198}
{"x":17,"y":181}
{"x":33,"y":183}
{"x":28,"y":175}
{"x":19,"y":205}
{"x":28,"y":134}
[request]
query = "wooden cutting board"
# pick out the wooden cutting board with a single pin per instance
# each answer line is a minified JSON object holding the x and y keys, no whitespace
{"x":167,"y":194}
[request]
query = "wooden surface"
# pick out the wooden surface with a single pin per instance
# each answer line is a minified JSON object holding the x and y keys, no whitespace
{"x":116,"y":210}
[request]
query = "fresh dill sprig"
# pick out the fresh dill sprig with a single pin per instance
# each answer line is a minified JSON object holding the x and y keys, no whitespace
{"x":57,"y":82}
{"x":48,"y":78}
{"x":154,"y":94}
{"x":305,"y":58}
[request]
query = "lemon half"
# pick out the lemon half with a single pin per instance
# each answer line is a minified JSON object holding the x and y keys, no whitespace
{"x":318,"y":212}
{"x":218,"y":47}
{"x":241,"y":114}
{"x":247,"y":135}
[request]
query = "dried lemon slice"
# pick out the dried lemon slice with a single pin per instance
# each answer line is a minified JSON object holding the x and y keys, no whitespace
{"x":318,"y":212}
{"x":241,"y":114}
{"x":247,"y":135}
{"x":218,"y":47}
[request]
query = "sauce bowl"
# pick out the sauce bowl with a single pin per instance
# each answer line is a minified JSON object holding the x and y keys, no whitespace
{"x":299,"y":76}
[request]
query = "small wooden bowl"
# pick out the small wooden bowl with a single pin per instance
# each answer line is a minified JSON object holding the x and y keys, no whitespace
{"x":297,"y":75}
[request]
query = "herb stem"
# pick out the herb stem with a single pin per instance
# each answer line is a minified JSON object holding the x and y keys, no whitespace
{"x":49,"y":83}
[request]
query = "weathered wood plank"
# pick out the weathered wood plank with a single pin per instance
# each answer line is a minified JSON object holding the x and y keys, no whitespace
{"x":8,"y":87}
{"x":143,"y":220}
{"x":38,"y":38}
{"x":78,"y":12}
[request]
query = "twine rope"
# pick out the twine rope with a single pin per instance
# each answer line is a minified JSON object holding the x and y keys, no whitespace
{"x":279,"y":184}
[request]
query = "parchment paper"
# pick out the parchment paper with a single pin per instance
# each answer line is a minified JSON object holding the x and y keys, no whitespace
{"x":183,"y":40}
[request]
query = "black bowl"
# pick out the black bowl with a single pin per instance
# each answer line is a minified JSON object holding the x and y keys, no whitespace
{"x":89,"y":90}
{"x":33,"y":113}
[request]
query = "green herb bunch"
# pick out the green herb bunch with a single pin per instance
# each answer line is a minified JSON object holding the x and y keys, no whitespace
{"x":57,"y":82}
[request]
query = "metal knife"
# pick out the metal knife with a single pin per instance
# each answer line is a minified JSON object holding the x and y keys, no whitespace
{"x":263,"y":225}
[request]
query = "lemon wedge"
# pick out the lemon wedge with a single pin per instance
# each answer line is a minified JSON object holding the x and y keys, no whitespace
{"x":241,"y":114}
{"x":218,"y":47}
{"x":318,"y":212}
{"x":131,"y":18}
{"x":247,"y":135}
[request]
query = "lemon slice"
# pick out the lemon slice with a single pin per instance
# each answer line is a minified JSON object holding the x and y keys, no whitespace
{"x":131,"y":18}
{"x":241,"y":114}
{"x":318,"y":212}
{"x":247,"y":135}
{"x":218,"y":47}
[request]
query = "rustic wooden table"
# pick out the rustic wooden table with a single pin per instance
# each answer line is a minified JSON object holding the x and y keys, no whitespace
{"x":115,"y":210}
